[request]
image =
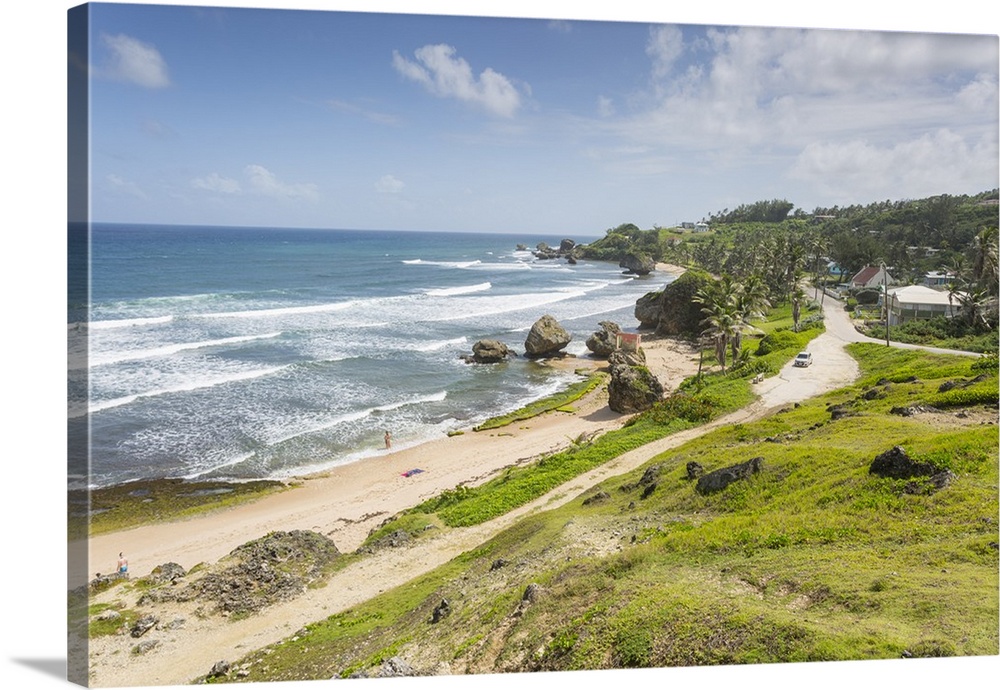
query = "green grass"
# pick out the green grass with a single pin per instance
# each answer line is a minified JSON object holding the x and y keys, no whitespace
{"x":813,"y":559}
{"x":557,"y":402}
{"x":158,"y":500}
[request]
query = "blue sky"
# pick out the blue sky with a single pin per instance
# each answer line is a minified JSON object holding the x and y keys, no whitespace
{"x":305,"y":118}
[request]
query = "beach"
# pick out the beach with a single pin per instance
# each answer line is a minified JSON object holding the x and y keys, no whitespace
{"x":345,"y":503}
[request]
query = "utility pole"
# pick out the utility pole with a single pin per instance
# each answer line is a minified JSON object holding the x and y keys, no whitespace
{"x":885,"y":301}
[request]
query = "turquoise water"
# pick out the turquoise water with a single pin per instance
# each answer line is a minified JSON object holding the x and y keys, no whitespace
{"x":240,"y":353}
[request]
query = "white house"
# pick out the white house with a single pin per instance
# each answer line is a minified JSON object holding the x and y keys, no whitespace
{"x":919,"y":302}
{"x":871,"y":277}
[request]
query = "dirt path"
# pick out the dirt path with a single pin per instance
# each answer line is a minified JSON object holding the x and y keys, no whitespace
{"x":191,"y":650}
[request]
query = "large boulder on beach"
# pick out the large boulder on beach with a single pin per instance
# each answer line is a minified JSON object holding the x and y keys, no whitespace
{"x":647,"y":309}
{"x":604,"y":341}
{"x":546,"y":338}
{"x":633,"y":389}
{"x":637,"y":263}
{"x":489,"y":352}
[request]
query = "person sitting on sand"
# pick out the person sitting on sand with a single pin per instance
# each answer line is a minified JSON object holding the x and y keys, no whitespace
{"x":122,"y":565}
{"x":388,"y":441}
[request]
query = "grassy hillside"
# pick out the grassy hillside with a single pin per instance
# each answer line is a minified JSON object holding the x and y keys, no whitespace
{"x":813,"y":558}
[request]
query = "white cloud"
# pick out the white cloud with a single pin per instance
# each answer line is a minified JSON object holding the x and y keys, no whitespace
{"x":388,"y":184}
{"x":934,"y":163}
{"x":217,"y":183}
{"x":133,"y":61}
{"x":666,"y":43}
{"x":443,"y":74}
{"x":605,"y":106}
{"x":263,"y":181}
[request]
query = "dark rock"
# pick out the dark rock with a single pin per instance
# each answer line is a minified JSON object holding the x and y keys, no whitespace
{"x":896,"y":464}
{"x":637,"y":263}
{"x":840,"y":411}
{"x":546,"y":337}
{"x":720,"y":479}
{"x":650,"y":475}
{"x":673,"y":310}
{"x":647,"y":309}
{"x":694,"y":470}
{"x":603,"y":342}
{"x":648,"y":491}
{"x":497,"y":564}
{"x":566,"y":246}
{"x":531,"y":592}
{"x":599,"y":497}
{"x":143,"y":625}
{"x":221,"y":668}
{"x":633,"y":389}
{"x":489,"y":352}
{"x":441,"y":611}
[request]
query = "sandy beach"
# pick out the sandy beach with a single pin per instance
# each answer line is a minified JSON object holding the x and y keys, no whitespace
{"x":347,"y":502}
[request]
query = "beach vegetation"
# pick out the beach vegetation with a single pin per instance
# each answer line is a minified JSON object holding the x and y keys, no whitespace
{"x":560,"y":401}
{"x":814,"y":558}
{"x":144,"y":502}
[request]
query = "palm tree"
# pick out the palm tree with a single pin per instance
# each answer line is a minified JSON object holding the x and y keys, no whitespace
{"x":798,"y":297}
{"x":984,"y":259}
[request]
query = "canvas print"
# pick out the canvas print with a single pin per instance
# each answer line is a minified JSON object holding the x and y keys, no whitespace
{"x":408,"y":345}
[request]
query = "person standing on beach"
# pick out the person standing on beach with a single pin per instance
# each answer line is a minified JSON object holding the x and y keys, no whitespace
{"x":388,"y":440}
{"x":122,"y":565}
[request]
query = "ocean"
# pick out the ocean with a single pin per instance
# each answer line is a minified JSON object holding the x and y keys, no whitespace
{"x":246,"y":353}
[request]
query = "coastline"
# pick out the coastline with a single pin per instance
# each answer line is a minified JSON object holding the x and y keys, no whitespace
{"x":346,"y":502}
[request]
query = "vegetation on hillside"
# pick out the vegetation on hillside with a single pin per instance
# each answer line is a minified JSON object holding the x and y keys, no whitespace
{"x":813,"y":558}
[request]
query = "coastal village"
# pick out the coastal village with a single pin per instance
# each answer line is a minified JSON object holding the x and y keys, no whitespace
{"x":694,"y":500}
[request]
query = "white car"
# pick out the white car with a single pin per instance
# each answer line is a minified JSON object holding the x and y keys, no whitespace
{"x":803,"y":359}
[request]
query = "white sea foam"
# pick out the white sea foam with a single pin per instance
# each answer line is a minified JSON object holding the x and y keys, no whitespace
{"x":437,"y":345}
{"x":461,"y":290}
{"x":180,"y":388}
{"x":167,"y":350}
{"x":355,"y":416}
{"x":128,"y":323}
{"x":278,"y":311}
{"x":445,"y":264}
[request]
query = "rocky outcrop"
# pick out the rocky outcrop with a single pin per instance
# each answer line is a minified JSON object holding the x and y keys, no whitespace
{"x":276,"y":567}
{"x":720,"y":479}
{"x":926,"y":477}
{"x":633,"y":389}
{"x":546,"y":338}
{"x":632,"y":358}
{"x":897,"y":464}
{"x":637,"y":263}
{"x":488,"y":352}
{"x":673,"y":311}
{"x":568,"y":249}
{"x":604,"y":341}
